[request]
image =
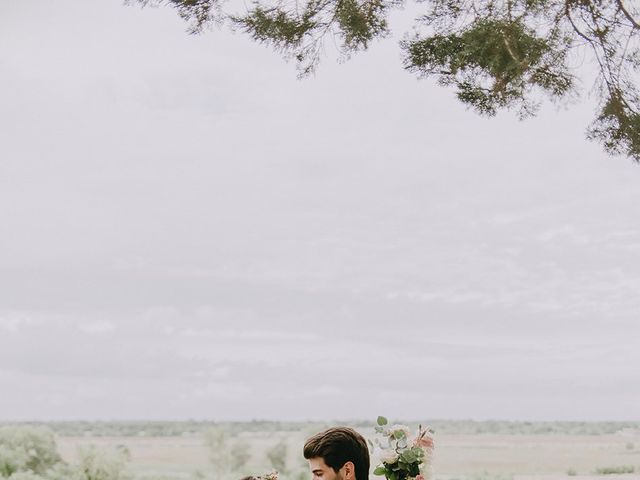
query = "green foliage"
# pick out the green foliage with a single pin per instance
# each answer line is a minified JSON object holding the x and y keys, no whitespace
{"x":360,"y":22}
{"x":60,"y":471}
{"x":30,"y":453}
{"x":26,"y":476}
{"x":494,"y":63}
{"x":299,"y":32}
{"x":472,"y":427}
{"x":616,"y":470}
{"x":618,"y":125}
{"x":571,"y":472}
{"x":277,"y":456}
{"x":216,"y":440}
{"x":380,"y":470}
{"x":11,"y":461}
{"x":27,"y":449}
{"x":198,"y":12}
{"x":96,"y":464}
{"x":496,"y":54}
{"x":197,"y":428}
{"x":155,"y":428}
{"x":240,"y":454}
{"x":276,"y":26}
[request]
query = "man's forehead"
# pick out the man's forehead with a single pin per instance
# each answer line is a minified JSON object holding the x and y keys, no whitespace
{"x":317,"y":463}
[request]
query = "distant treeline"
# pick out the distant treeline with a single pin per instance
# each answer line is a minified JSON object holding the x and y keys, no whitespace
{"x":158,"y":428}
{"x":182,"y":428}
{"x":530,"y":428}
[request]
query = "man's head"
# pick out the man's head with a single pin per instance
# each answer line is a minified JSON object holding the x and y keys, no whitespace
{"x":339,"y":453}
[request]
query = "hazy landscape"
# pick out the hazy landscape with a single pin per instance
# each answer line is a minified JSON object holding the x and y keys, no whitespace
{"x":464,"y":449}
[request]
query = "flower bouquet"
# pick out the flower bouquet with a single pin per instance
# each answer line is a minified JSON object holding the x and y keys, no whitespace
{"x":401,"y":457}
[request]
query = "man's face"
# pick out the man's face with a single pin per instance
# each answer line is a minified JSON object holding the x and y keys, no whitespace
{"x":320,"y":470}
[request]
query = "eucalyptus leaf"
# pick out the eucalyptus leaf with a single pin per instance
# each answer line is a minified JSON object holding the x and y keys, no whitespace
{"x":380,"y":470}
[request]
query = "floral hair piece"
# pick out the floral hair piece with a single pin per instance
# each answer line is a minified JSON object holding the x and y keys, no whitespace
{"x":269,"y":476}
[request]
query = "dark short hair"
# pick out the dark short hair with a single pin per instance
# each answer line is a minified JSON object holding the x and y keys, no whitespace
{"x":338,"y":446}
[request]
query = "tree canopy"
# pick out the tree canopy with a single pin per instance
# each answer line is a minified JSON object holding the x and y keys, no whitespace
{"x":495,"y":54}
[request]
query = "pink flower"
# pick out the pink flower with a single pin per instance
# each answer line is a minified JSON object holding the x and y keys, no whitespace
{"x":419,"y":477}
{"x":424,"y":442}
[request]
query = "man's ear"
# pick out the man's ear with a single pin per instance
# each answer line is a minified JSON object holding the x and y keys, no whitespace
{"x":349,"y":471}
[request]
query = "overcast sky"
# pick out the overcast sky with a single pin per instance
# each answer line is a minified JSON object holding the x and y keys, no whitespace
{"x":188,"y":231}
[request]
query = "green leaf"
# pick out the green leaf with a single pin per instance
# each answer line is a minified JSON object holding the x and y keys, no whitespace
{"x":371,"y":447}
{"x":382,"y":421}
{"x":380,"y":470}
{"x":408,"y":457}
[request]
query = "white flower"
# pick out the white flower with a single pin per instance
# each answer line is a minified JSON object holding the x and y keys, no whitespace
{"x":399,"y":428}
{"x":388,"y":456}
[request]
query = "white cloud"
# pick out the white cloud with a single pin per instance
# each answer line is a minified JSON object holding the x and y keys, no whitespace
{"x":14,"y":321}
{"x":97,"y":328}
